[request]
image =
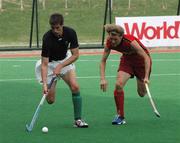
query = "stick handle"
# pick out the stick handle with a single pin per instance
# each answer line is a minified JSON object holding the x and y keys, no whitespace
{"x":52,"y":81}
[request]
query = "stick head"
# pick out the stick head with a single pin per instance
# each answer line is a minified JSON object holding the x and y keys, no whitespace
{"x":28,"y":129}
{"x":157,"y":113}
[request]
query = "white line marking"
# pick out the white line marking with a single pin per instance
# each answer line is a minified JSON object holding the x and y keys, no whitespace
{"x":92,"y":60}
{"x":21,"y":79}
{"x":166,"y":60}
{"x":16,"y":66}
{"x":13,"y":60}
{"x":168,"y":74}
{"x":85,"y":77}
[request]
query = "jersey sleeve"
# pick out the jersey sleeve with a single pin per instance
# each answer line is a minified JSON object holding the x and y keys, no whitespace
{"x":45,"y":47}
{"x":73,"y":40}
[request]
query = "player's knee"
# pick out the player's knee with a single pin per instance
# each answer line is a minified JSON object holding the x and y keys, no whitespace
{"x":119,"y":87}
{"x":141,"y":93}
{"x":50,"y":98}
{"x":74,"y":88}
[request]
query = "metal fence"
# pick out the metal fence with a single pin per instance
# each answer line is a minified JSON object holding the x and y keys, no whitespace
{"x":23,"y":22}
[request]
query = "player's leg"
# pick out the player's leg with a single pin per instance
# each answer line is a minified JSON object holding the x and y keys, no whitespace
{"x":139,"y":72}
{"x":141,"y":89}
{"x":51,"y":94}
{"x":70,"y":79}
{"x":124,"y":73}
{"x":122,"y":78}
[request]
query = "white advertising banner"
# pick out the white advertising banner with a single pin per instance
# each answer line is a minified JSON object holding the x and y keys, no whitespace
{"x":153,"y":31}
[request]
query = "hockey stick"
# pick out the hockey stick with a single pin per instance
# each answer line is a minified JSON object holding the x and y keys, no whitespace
{"x":36,"y":113}
{"x":151,"y":101}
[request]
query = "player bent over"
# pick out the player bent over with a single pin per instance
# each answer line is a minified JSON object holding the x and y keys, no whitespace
{"x":56,"y":60}
{"x":135,"y":61}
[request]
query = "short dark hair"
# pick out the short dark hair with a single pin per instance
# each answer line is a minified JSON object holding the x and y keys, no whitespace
{"x":56,"y":18}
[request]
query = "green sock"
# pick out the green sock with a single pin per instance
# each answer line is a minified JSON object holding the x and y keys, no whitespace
{"x":77,"y":102}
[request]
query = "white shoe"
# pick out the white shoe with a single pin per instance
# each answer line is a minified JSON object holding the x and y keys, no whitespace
{"x":80,"y":124}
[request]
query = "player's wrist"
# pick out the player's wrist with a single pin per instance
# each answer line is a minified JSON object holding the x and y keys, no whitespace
{"x":44,"y":84}
{"x":61,"y":65}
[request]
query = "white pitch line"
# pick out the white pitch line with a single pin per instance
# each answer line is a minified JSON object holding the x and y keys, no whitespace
{"x":20,"y":79}
{"x":92,"y":60}
{"x":13,"y":60}
{"x":85,"y":77}
{"x":166,"y":60}
{"x":170,"y":74}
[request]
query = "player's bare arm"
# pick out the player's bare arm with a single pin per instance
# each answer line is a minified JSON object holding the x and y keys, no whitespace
{"x":73,"y":58}
{"x":139,"y":50}
{"x":44,"y":70}
{"x":103,"y":82}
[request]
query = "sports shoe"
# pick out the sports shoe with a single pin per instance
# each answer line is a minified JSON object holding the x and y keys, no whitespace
{"x":80,"y":124}
{"x":118,"y":120}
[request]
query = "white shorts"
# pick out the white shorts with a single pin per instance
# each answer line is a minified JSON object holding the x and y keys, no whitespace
{"x":51,"y":66}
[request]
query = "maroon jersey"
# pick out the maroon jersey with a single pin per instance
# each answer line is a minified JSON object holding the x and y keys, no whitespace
{"x":125,"y":46}
{"x":130,"y":62}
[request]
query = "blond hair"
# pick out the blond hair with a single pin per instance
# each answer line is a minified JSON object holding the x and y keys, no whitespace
{"x":114,"y":28}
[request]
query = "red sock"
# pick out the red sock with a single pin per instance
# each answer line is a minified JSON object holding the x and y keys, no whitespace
{"x":119,"y":100}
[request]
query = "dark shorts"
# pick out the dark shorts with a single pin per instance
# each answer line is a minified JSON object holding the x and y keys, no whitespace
{"x":134,"y":65}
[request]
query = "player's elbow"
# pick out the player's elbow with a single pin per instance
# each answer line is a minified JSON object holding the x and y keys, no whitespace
{"x":102,"y":64}
{"x":77,"y":56}
{"x":44,"y":66}
{"x":103,"y":61}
